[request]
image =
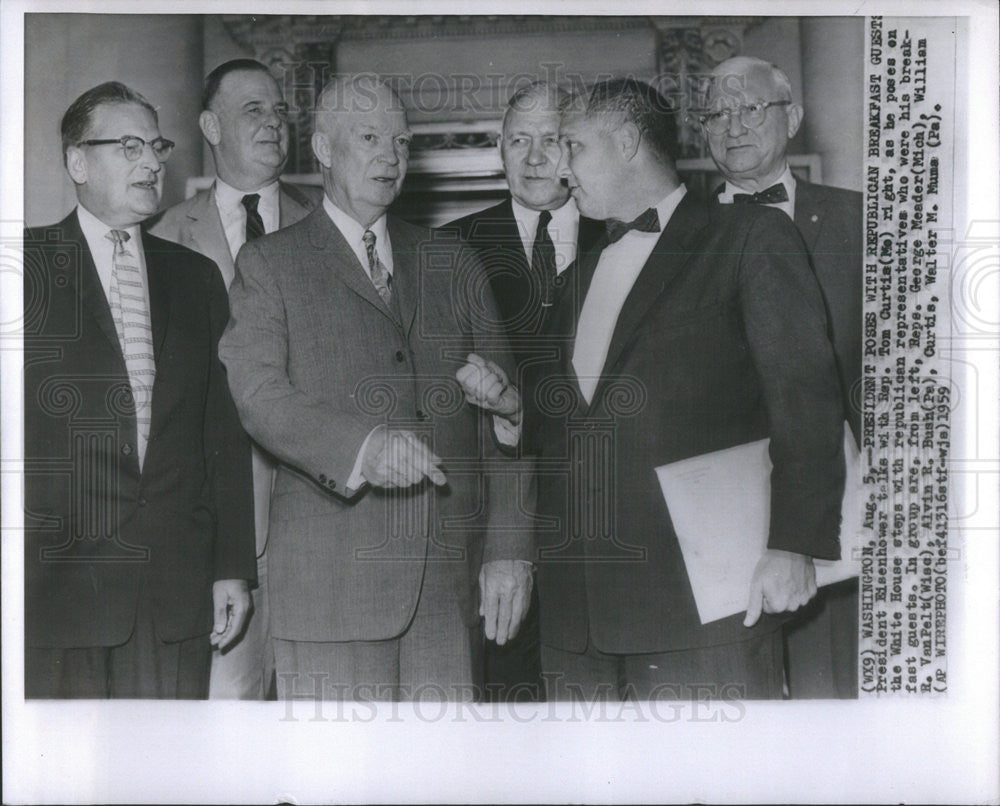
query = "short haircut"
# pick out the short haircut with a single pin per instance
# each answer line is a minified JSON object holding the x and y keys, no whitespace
{"x":746,"y":64}
{"x":212,"y":81}
{"x":77,"y":119}
{"x":533,"y":96}
{"x":628,"y":100}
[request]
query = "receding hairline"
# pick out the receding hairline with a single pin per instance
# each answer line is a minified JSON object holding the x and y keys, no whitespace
{"x":538,"y":96}
{"x":747,"y":65}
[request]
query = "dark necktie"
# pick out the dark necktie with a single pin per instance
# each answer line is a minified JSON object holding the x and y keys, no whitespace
{"x":543,"y":258}
{"x":772,"y":195}
{"x":255,"y":224}
{"x":648,"y":221}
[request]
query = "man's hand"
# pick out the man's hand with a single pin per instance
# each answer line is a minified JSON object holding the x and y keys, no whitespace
{"x":231,"y":603}
{"x":504,"y":594}
{"x":486,"y":385}
{"x":782,"y":581}
{"x":397,"y":458}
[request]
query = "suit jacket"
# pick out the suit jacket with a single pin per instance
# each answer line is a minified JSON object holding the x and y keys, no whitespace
{"x":829,"y":220}
{"x":96,"y":530}
{"x":518,"y":292}
{"x":195,"y":223}
{"x":316,"y":360}
{"x":721,"y":341}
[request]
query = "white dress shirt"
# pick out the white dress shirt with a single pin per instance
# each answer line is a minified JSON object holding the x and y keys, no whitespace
{"x":786,"y":179}
{"x":617,"y":269}
{"x":229,"y":200}
{"x":353,"y":233}
{"x":562,"y":229}
{"x":102,"y":249}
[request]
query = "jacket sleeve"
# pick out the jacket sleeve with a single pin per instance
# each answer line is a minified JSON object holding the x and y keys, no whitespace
{"x":227,"y":455}
{"x":507,"y":479}
{"x":297,"y":427}
{"x":785,"y":323}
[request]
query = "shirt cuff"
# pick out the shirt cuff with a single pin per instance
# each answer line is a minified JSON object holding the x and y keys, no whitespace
{"x":357,"y":479}
{"x":506,"y":432}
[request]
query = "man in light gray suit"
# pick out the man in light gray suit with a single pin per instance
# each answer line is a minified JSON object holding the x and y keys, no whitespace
{"x":391,"y":498}
{"x":244,"y":120}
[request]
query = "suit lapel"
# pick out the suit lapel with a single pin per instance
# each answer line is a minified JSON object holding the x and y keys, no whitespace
{"x":328,"y":242}
{"x":291,"y":206}
{"x":405,"y":273}
{"x":92,"y":296}
{"x":669,"y":256}
{"x":158,"y":280}
{"x":205,"y":233}
{"x":810,"y":213}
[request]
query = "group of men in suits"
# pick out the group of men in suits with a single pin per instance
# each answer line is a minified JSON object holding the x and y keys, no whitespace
{"x":602,"y":321}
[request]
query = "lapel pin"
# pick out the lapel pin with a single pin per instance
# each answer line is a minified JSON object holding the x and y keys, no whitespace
{"x":814,"y":218}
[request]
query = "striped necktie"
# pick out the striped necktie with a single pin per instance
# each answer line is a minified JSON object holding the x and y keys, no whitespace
{"x":379,"y":273}
{"x":127,"y":299}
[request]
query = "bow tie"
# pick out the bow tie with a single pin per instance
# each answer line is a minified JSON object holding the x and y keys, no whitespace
{"x":649,"y":221}
{"x":772,"y":195}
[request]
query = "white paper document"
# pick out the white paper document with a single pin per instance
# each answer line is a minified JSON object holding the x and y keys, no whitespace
{"x":720,"y":504}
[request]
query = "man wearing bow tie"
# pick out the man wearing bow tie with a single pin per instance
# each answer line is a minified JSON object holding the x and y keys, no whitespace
{"x":688,"y":329}
{"x":750,"y":119}
{"x":244,"y":120}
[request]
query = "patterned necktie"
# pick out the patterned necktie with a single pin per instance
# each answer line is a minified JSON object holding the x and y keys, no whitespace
{"x":255,"y":224}
{"x":379,"y":273}
{"x":648,"y":221}
{"x":543,"y":258}
{"x":776,"y":194}
{"x":127,"y":299}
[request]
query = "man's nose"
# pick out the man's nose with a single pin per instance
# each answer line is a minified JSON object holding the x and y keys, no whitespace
{"x":736,"y":127}
{"x":562,"y":169}
{"x":147,"y":158}
{"x":536,"y":154}
{"x":389,"y":154}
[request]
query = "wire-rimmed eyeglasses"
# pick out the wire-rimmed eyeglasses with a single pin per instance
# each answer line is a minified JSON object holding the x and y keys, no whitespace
{"x":750,"y":115}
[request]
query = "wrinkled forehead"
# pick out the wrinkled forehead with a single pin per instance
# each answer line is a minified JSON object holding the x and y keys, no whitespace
{"x":118,"y":119}
{"x":749,"y":85}
{"x":354,"y":105}
{"x":541,"y":120}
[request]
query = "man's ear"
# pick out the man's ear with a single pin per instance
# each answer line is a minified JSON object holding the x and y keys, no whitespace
{"x":321,"y":148}
{"x":628,"y":138}
{"x":76,"y":165}
{"x":795,"y":114}
{"x":208,"y":122}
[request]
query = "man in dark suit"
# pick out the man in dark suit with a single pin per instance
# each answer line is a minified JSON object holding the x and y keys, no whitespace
{"x":526,"y":244}
{"x":138,"y":516}
{"x":244,"y":120}
{"x":750,"y":120}
{"x":390,"y":501}
{"x":673,"y":344}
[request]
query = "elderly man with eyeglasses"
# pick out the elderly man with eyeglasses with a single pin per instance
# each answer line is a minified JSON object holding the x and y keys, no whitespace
{"x":139,"y":547}
{"x":750,"y":120}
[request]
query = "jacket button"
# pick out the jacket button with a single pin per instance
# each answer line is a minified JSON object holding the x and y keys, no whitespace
{"x":332,"y":484}
{"x":126,"y":449}
{"x":400,"y":356}
{"x":322,"y":478}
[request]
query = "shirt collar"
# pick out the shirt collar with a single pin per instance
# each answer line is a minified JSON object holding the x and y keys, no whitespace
{"x":95,"y":231}
{"x":228,"y":197}
{"x":786,"y":179}
{"x":527,"y":219}
{"x":353,"y":233}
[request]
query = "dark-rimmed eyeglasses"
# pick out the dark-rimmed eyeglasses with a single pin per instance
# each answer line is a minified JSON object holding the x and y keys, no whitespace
{"x":133,"y":146}
{"x":750,"y":115}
